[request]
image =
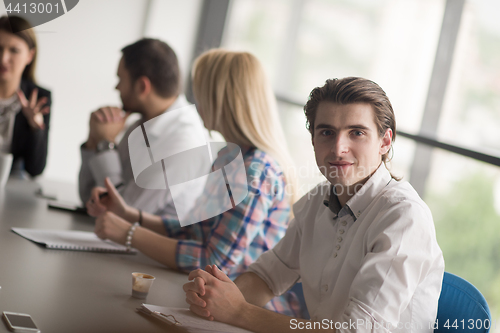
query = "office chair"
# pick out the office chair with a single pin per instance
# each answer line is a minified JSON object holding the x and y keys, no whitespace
{"x":461,"y":307}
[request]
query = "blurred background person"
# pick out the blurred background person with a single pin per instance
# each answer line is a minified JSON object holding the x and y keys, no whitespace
{"x":233,"y":97}
{"x":149,"y":84}
{"x":24,"y":106}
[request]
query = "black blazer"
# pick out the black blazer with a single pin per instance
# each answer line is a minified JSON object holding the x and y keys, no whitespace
{"x":28,"y":144}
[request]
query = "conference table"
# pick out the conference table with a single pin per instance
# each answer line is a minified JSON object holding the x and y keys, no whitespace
{"x":72,"y":291}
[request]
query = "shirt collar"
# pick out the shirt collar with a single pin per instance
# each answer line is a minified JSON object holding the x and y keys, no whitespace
{"x":155,"y":127}
{"x":180,"y":102}
{"x":365,"y":195}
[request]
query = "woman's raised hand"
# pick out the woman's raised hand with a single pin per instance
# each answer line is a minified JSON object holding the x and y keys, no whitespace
{"x":99,"y":202}
{"x":34,"y":109}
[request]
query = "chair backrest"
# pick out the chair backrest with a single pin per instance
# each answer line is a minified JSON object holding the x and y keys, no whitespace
{"x":461,"y":307}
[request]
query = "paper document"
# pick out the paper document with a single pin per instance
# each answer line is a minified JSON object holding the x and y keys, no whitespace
{"x":193,"y":323}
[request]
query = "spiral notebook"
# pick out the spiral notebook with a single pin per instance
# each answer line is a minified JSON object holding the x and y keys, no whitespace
{"x":71,"y":240}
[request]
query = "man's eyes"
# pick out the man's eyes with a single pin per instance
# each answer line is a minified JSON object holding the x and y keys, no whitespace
{"x":326,"y":132}
{"x":357,"y":133}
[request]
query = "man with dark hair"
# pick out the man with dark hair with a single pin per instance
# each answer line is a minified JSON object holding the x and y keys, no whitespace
{"x":149,"y":84}
{"x":363,"y":244}
{"x":155,"y":60}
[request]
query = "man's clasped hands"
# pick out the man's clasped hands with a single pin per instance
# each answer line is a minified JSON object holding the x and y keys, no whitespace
{"x":212,"y":294}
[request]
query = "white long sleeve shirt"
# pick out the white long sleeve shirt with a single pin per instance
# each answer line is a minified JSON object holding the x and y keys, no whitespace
{"x":116,"y":163}
{"x":373,"y":265}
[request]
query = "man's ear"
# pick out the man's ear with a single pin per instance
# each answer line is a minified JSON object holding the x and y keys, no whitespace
{"x":386,"y":142}
{"x":143,"y":86}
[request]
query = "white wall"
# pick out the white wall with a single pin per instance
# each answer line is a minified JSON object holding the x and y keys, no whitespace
{"x":78,"y":57}
{"x":175,"y":22}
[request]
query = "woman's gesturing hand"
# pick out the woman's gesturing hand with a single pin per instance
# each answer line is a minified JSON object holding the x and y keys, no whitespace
{"x":106,"y":199}
{"x":34,"y":109}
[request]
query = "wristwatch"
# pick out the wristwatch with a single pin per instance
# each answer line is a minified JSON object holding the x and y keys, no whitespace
{"x":104,"y":145}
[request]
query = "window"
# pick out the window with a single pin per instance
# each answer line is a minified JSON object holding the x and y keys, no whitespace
{"x":471,"y":114}
{"x":394,"y":43}
{"x":301,"y":43}
{"x":464,"y":197}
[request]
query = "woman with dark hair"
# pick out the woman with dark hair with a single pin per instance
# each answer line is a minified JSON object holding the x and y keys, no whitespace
{"x":24,"y":106}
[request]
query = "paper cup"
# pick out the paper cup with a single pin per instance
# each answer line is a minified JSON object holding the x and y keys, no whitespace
{"x":141,"y":283}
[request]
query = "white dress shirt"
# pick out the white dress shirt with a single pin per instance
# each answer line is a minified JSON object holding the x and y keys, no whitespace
{"x":116,"y":164}
{"x":372,"y":266}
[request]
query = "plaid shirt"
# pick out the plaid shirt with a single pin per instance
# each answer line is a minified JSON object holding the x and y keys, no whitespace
{"x":236,"y":238}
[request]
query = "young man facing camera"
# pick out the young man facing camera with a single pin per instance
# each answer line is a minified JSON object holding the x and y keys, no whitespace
{"x":149,"y":84}
{"x":363,"y":245}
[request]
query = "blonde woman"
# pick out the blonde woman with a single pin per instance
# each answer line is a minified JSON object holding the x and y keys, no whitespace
{"x":234,"y":98}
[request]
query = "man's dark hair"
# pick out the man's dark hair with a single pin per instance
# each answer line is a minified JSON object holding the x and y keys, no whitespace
{"x":155,"y":60}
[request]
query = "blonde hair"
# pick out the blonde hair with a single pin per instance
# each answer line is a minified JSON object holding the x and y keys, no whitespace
{"x":235,"y":98}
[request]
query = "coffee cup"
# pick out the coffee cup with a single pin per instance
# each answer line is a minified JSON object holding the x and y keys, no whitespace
{"x":141,"y":283}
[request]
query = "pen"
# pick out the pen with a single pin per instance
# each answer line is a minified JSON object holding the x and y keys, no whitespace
{"x":159,"y":315}
{"x":165,"y":317}
{"x":105,"y":194}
